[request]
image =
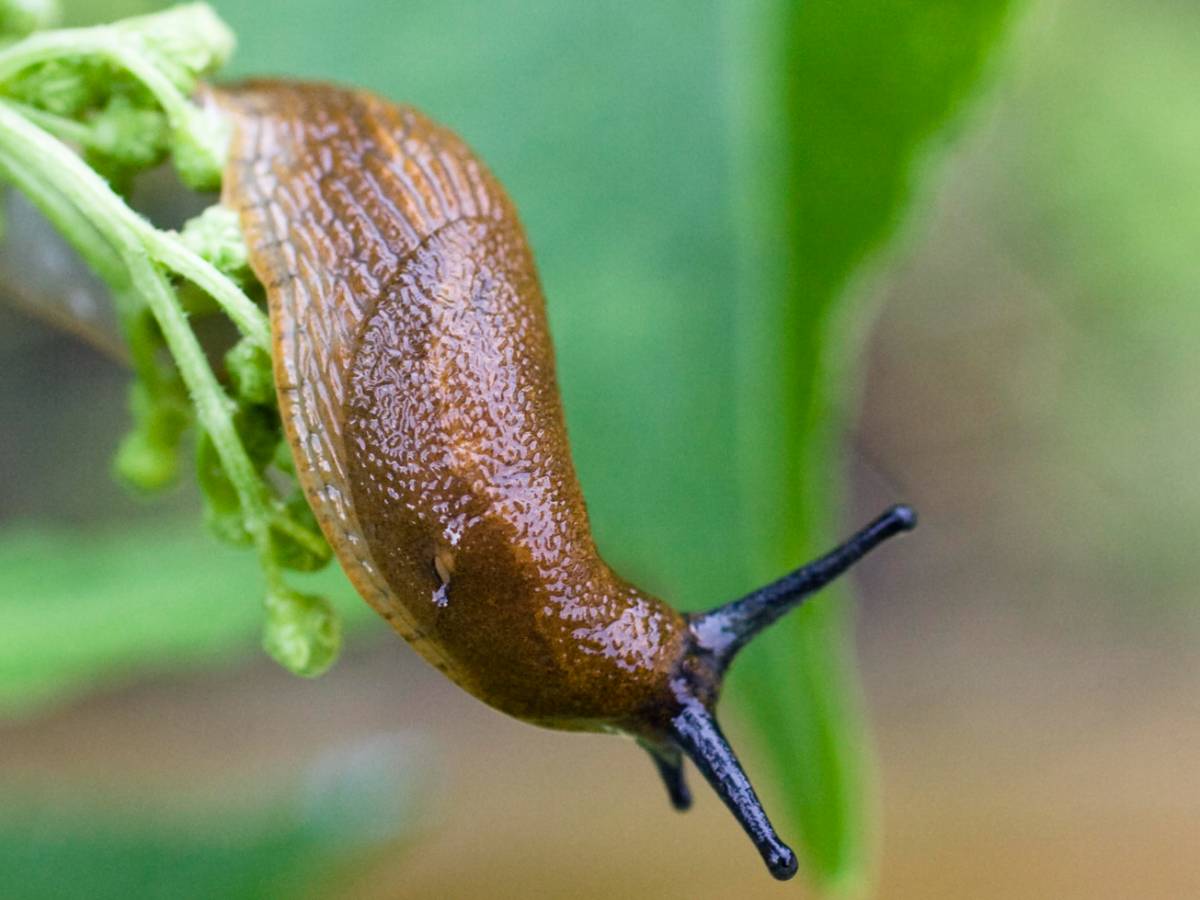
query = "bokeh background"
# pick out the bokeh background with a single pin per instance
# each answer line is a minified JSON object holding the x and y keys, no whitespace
{"x":1030,"y":384}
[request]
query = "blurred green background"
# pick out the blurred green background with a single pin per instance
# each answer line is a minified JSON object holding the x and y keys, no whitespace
{"x":1029,"y":384}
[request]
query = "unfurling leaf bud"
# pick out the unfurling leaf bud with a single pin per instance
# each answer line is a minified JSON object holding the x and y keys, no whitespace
{"x":216,"y":235}
{"x":199,"y":146}
{"x":184,"y":42}
{"x":249,"y":368}
{"x":303,"y":633}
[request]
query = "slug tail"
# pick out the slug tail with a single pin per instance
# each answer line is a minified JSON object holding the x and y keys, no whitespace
{"x":697,"y":733}
{"x":723,"y":631}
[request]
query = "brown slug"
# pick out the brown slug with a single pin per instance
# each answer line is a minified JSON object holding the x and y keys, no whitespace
{"x":416,"y":382}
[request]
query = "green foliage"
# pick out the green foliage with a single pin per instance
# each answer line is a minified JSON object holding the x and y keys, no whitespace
{"x":185,"y":43}
{"x":217,"y":237}
{"x":48,"y":860}
{"x":126,"y":135}
{"x":831,"y":115}
{"x":673,"y":364}
{"x":60,"y":86}
{"x":20,"y":17}
{"x":288,"y":546}
{"x":148,"y":458}
{"x":303,"y":632}
{"x":198,"y":148}
{"x":116,"y":90}
{"x":695,"y":243}
{"x":249,"y":368}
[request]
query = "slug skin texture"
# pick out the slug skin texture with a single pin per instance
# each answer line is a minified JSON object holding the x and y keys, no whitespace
{"x":416,"y":383}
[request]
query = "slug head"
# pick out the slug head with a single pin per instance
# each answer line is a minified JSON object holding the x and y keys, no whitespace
{"x":690,"y":727}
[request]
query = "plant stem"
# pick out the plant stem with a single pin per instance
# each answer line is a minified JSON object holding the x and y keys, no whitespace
{"x":72,"y":195}
{"x":100,"y":257}
{"x":92,"y":195}
{"x":60,"y":126}
{"x":100,"y":42}
{"x":164,"y":53}
{"x":213,"y":408}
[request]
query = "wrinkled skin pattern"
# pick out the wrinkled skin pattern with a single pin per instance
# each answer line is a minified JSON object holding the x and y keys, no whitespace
{"x":416,"y":381}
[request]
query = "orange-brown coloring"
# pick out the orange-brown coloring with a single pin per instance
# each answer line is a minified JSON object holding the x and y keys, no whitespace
{"x":417,"y":387}
{"x":416,"y":383}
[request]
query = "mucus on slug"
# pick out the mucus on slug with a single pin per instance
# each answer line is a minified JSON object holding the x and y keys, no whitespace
{"x":411,"y":348}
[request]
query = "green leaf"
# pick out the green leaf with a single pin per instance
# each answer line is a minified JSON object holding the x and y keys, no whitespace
{"x":834,"y":103}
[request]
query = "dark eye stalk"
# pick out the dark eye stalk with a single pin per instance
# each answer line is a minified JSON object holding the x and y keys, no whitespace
{"x":717,"y":636}
{"x":386,"y":481}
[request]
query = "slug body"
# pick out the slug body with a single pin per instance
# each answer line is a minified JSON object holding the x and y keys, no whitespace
{"x":416,"y":381}
{"x":417,"y":385}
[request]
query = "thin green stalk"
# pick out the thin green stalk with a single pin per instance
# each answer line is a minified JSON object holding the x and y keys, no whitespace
{"x":170,"y":98}
{"x":60,"y":126}
{"x":98,"y":254}
{"x":47,"y":162}
{"x":213,"y":407}
{"x":42,"y":47}
{"x":306,"y":539}
{"x":101,"y":42}
{"x":90,"y":192}
{"x":165,"y":53}
{"x":169,"y":249}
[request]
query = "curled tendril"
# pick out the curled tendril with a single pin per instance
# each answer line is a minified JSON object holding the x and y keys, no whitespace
{"x":303,"y":632}
{"x":119,"y":94}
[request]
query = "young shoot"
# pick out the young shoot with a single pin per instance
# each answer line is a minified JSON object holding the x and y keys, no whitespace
{"x":82,"y":113}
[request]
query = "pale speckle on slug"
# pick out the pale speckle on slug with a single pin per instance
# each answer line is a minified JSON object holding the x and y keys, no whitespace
{"x":407,"y":313}
{"x":416,"y":384}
